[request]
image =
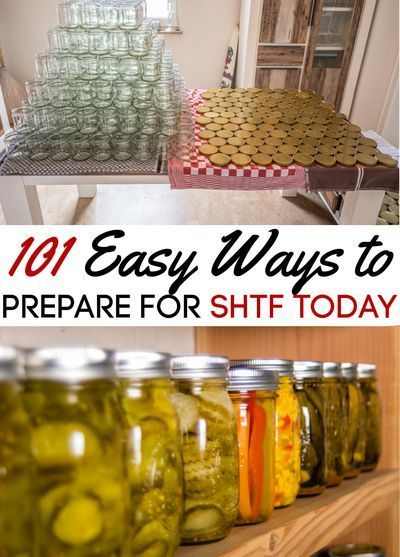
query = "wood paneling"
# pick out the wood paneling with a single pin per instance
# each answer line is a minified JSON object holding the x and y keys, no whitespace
{"x":311,"y":45}
{"x":285,"y":21}
{"x":272,"y":55}
{"x":277,"y":78}
{"x":309,"y":524}
{"x":325,"y":82}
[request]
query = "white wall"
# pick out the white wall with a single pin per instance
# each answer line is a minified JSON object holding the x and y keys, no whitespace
{"x":200,"y":51}
{"x":379,"y":64}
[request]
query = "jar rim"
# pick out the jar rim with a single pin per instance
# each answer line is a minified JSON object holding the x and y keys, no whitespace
{"x":199,"y":366}
{"x":11,"y":367}
{"x":332,"y":370}
{"x":349,"y":370}
{"x":308,"y":369}
{"x":283,"y":367}
{"x":130,"y":364}
{"x":252,"y":379}
{"x":366,"y":371}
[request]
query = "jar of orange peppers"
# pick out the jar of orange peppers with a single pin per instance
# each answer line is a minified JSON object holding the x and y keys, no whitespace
{"x":253,"y":393}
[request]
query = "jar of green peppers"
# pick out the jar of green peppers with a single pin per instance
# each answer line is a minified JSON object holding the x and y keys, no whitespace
{"x":366,"y":374}
{"x":17,"y":470}
{"x":309,"y":389}
{"x":77,"y":444}
{"x":354,"y":412}
{"x":154,"y":453}
{"x":210,"y":447}
{"x":336,"y":424}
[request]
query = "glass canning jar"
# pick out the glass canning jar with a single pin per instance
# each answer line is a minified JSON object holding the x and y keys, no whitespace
{"x":122,"y":94}
{"x":102,"y":91}
{"x":101,"y":147}
{"x":122,"y":147}
{"x":67,"y":121}
{"x":144,"y":147}
{"x":18,"y":536}
{"x":69,"y":15}
{"x":119,"y":42}
{"x":164,"y":94}
{"x":129,"y":120}
{"x":98,"y":42}
{"x":131,"y":14}
{"x":81,"y":93}
{"x":38,"y":93}
{"x":140,"y":42}
{"x":89,"y":15}
{"x":15,"y":144}
{"x":108,"y":16}
{"x":58,"y":40}
{"x":59,"y":93}
{"x":108,"y":120}
{"x":309,"y":390}
{"x":151,"y":68}
{"x":366,"y":374}
{"x":210,"y":447}
{"x":287,"y":432}
{"x":354,"y":411}
{"x":60,"y":147}
{"x":80,"y":146}
{"x":149,"y":121}
{"x":46,"y":120}
{"x":87,"y":120}
{"x":69,"y":67}
{"x":336,"y":424}
{"x":154,"y":456}
{"x":143,"y":95}
{"x":78,"y":41}
{"x":109,"y":67}
{"x":77,"y":443}
{"x":23,"y":119}
{"x":47,"y":66}
{"x":253,"y":393}
{"x":130,"y":69}
{"x":38,"y":146}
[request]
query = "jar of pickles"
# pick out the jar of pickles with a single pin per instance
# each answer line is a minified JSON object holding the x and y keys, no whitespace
{"x":210,"y":452}
{"x":287,"y":433}
{"x":366,"y":374}
{"x":154,"y":453}
{"x":310,"y":394}
{"x":77,"y":444}
{"x":336,"y":423}
{"x":17,"y":471}
{"x":253,"y":393}
{"x":354,"y":412}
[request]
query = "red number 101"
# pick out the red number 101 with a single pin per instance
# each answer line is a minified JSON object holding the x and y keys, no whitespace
{"x":47,"y":251}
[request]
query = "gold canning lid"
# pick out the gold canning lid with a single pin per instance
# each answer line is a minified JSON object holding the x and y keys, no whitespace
{"x":314,"y":134}
{"x":353,"y":135}
{"x":206,"y":134}
{"x":202,"y":109}
{"x":236,"y":141}
{"x":303,"y":159}
{"x":260,"y":134}
{"x":278,"y":134}
{"x":243,"y":134}
{"x":307,"y":150}
{"x":347,"y":150}
{"x":348,"y":141}
{"x":273,"y":141}
{"x":367,"y":150}
{"x":326,"y":150}
{"x":262,"y":159}
{"x":304,"y":121}
{"x":333,"y":134}
{"x":353,"y":128}
{"x":248,"y":127}
{"x":221,"y":120}
{"x":202,"y":121}
{"x":211,"y":115}
{"x":271,"y":120}
{"x":282,"y":159}
{"x":238,"y":121}
{"x":228,"y":150}
{"x":206,"y":149}
{"x":345,"y":160}
{"x":207,"y":95}
{"x":325,"y":160}
{"x":213,"y":127}
{"x":268,"y":149}
{"x":256,"y":141}
{"x":220,"y":159}
{"x":248,"y":149}
{"x":366,"y":160}
{"x":218,"y":141}
{"x":292,"y":141}
{"x":284,"y":127}
{"x":254,"y":121}
{"x":240,"y":159}
{"x":266,"y":127}
{"x":228,"y":114}
{"x":225,"y":134}
{"x":311,"y":141}
{"x":287,"y":149}
{"x":330,"y":141}
{"x":231,"y":127}
{"x":367,"y":141}
{"x":386,"y":160}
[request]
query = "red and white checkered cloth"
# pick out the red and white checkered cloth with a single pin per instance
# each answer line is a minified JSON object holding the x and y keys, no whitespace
{"x":198,"y":172}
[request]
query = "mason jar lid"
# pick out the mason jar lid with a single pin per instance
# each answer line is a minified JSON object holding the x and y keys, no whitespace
{"x":356,"y":550}
{"x":304,"y":369}
{"x":284,"y":368}
{"x":10,"y":364}
{"x":366,"y":371}
{"x":68,"y":365}
{"x":252,"y":379}
{"x":142,"y":365}
{"x":332,"y":370}
{"x":349,"y":370}
{"x":199,"y":366}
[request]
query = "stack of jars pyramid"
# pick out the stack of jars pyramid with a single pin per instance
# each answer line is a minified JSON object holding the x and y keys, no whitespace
{"x":105,"y":89}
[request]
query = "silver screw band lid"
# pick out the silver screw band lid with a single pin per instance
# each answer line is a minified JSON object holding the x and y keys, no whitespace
{"x":68,"y":365}
{"x":252,"y":379}
{"x":199,"y":366}
{"x":142,"y":365}
{"x":332,"y":370}
{"x":349,"y":370}
{"x":366,"y":371}
{"x":284,"y":368}
{"x":304,"y":369}
{"x":10,"y":364}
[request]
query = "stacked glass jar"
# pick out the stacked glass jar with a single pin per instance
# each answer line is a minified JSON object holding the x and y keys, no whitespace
{"x":105,"y":89}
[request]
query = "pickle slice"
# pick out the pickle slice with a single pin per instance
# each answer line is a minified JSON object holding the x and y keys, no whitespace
{"x":186,"y":408}
{"x":79,"y":522}
{"x":204,"y":520}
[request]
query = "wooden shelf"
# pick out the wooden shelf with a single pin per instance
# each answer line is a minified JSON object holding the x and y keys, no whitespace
{"x":311,"y":523}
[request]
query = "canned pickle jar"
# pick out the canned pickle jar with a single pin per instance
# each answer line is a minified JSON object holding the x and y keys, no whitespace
{"x":210,"y":453}
{"x":366,"y":374}
{"x":336,"y":424}
{"x":17,"y":478}
{"x":310,"y":394}
{"x":154,"y":453}
{"x":77,"y":444}
{"x":253,"y":393}
{"x":287,"y":432}
{"x":354,"y":409}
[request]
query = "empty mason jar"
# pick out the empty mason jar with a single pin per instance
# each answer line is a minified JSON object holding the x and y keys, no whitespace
{"x":38,"y":147}
{"x":122,"y":147}
{"x":122,"y":94}
{"x":108,"y":16}
{"x":87,"y":120}
{"x":78,"y":41}
{"x":60,"y":148}
{"x":108,"y":121}
{"x":140,"y":42}
{"x":151,"y":68}
{"x":131,"y":15}
{"x":23,"y":119}
{"x":68,"y":66}
{"x":46,"y":121}
{"x":98,"y":42}
{"x":169,"y":123}
{"x":47,"y":66}
{"x":109,"y":67}
{"x":80,"y":147}
{"x":15,"y":144}
{"x":81,"y":93}
{"x":68,"y":15}
{"x":144,"y":147}
{"x":143,"y":95}
{"x":58,"y":39}
{"x":130,"y":68}
{"x":89,"y":67}
{"x":149,"y":121}
{"x":59,"y":93}
{"x":38,"y":93}
{"x":118,"y":42}
{"x":129,"y":120}
{"x":164,"y":94}
{"x":67,"y":121}
{"x":102,"y":93}
{"x":101,"y":147}
{"x":89,"y":15}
